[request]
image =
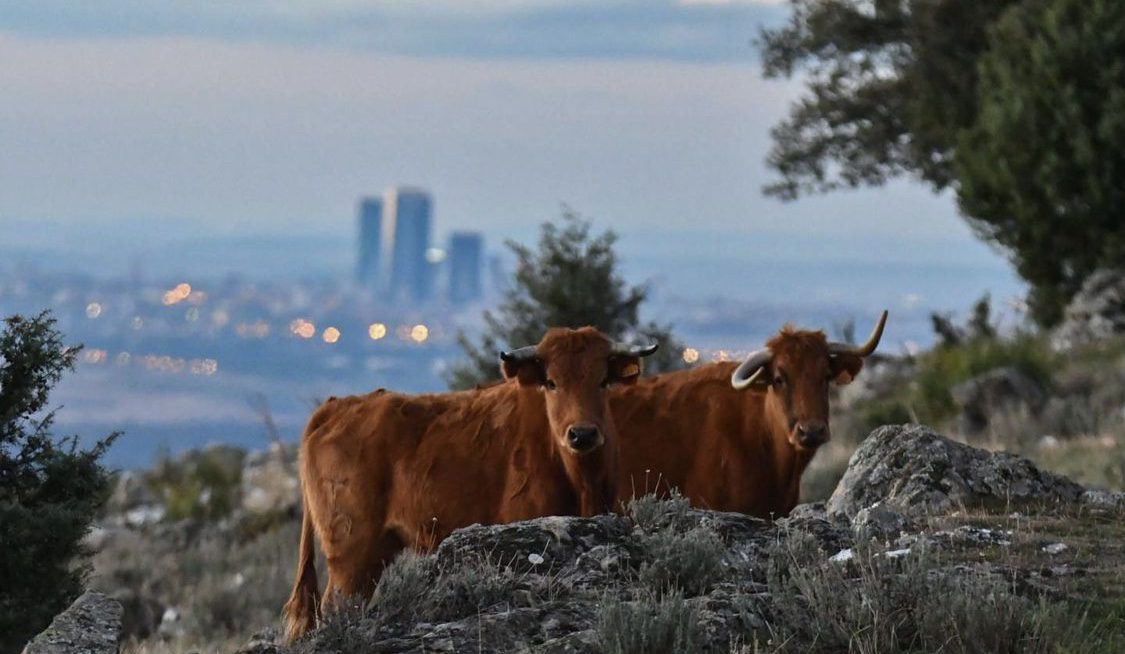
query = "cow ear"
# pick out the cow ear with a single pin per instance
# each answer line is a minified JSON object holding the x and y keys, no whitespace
{"x":528,"y":372}
{"x":624,"y":369}
{"x":844,"y":367}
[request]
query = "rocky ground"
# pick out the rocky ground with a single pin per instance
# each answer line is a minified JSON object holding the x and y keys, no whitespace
{"x":925,"y":544}
{"x":911,"y":541}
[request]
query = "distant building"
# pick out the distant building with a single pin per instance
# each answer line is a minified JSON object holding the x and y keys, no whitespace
{"x":370,"y":242}
{"x":466,"y":251}
{"x":406,"y":233}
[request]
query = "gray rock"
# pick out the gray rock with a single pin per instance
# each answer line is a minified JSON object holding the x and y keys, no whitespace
{"x":141,"y":615}
{"x":914,"y":470}
{"x":1103,"y":499}
{"x":89,"y":626}
{"x":1003,"y":389}
{"x":270,"y":482}
{"x":1096,"y":312}
{"x":880,"y":523}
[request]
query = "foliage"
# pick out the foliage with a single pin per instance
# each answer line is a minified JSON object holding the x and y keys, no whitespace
{"x":879,"y":603}
{"x":50,"y":489}
{"x":652,"y":624}
{"x":890,"y":84}
{"x":1040,"y":167}
{"x":963,"y":352}
{"x":571,"y":280}
{"x":203,"y":484}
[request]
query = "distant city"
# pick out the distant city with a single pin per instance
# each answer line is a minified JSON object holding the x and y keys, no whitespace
{"x":179,"y":359}
{"x":397,"y":261}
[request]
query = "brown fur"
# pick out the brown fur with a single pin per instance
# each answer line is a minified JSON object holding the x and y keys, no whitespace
{"x":725,"y":449}
{"x":386,"y":471}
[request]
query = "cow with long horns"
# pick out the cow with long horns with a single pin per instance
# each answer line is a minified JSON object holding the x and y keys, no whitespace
{"x":736,"y":437}
{"x":385,"y":471}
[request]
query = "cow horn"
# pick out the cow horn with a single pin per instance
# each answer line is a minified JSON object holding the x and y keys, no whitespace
{"x":749,"y":370}
{"x":522,"y":354}
{"x":626,"y":350}
{"x":865,"y":349}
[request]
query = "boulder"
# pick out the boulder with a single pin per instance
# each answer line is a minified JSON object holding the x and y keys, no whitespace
{"x":91,"y":625}
{"x":914,"y":470}
{"x":1003,"y":389}
{"x":1095,"y":313}
{"x":270,"y":483}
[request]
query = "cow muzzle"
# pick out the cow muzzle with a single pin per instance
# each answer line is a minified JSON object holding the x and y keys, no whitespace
{"x":582,"y":439}
{"x":812,"y":434}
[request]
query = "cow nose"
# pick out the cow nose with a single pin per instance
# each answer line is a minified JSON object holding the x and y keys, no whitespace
{"x":812,"y":433}
{"x":583,"y":438}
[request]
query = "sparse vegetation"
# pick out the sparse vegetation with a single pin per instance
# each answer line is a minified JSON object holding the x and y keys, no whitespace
{"x":661,"y":623}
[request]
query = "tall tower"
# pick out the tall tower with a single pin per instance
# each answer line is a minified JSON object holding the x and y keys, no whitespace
{"x":370,"y":216}
{"x":407,"y":235}
{"x":465,"y":254}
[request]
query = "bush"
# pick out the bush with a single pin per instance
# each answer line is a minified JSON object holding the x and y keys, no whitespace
{"x":877,"y":603}
{"x":50,"y":490}
{"x":653,"y":624}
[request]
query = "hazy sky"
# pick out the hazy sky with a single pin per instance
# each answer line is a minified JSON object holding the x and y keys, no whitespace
{"x":273,"y":117}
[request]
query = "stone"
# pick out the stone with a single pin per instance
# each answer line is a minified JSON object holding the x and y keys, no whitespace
{"x":1095,"y":313}
{"x":270,"y":481}
{"x":1003,"y":389}
{"x":880,"y":523}
{"x":915,"y":471}
{"x":91,"y":625}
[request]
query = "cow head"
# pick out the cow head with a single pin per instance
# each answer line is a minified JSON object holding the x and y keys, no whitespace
{"x":795,"y":370}
{"x":574,"y":368}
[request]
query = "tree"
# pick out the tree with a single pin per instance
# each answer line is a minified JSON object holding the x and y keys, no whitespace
{"x":49,"y":490}
{"x":890,"y":85}
{"x":570,"y":281}
{"x":1041,"y":167}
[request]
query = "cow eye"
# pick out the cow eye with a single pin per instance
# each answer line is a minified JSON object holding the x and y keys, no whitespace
{"x":606,"y":383}
{"x":779,"y":380}
{"x":550,"y":385}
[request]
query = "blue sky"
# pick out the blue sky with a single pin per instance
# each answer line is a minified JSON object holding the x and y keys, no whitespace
{"x":254,"y":117}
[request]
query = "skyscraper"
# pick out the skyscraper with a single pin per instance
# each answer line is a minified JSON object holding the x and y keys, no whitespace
{"x":465,"y":254}
{"x":370,"y":237}
{"x":407,"y":234}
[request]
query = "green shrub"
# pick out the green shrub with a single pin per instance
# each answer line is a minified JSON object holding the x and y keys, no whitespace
{"x":50,"y":490}
{"x":203,"y":484}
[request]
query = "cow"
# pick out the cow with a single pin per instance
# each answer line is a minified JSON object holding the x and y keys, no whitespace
{"x":386,"y":471}
{"x":735,"y":437}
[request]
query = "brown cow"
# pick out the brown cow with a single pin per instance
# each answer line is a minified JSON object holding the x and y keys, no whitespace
{"x":385,"y":471}
{"x":730,"y":449}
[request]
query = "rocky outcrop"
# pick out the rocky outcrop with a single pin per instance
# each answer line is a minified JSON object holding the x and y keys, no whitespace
{"x":1096,"y":312}
{"x":89,"y":626}
{"x":270,"y":483}
{"x":915,"y":471}
{"x":1004,"y":389}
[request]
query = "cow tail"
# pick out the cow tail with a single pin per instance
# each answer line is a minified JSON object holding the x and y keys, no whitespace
{"x":301,"y":609}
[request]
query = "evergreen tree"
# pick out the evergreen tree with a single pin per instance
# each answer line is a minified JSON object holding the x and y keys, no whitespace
{"x":1042,"y":168}
{"x":571,"y":280}
{"x":890,"y":85}
{"x":49,"y":490}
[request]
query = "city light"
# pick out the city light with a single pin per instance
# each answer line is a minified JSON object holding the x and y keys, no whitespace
{"x":93,"y":310}
{"x":691,"y":355}
{"x":331,"y":335}
{"x":419,"y":333}
{"x":435,"y":255}
{"x":178,"y":294}
{"x":94,"y":356}
{"x":303,"y":328}
{"x":256,"y":329}
{"x":377,"y":330}
{"x":204,"y":366}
